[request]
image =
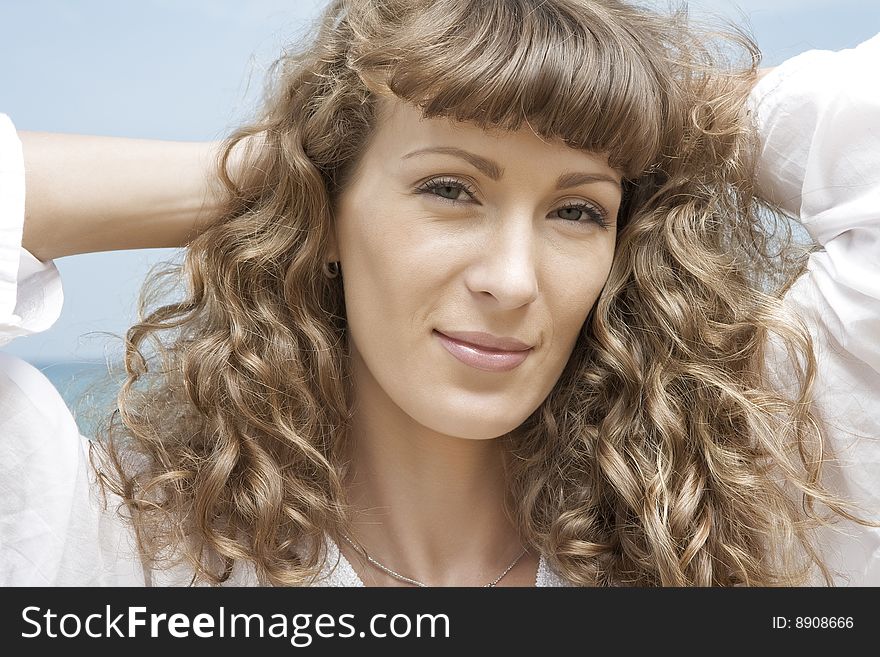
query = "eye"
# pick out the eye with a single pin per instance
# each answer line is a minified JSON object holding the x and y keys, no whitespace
{"x":448,"y":189}
{"x":582,"y":213}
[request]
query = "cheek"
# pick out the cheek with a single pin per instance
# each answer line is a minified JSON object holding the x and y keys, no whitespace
{"x":573,"y":282}
{"x":569,"y":313}
{"x":570,"y":299}
{"x":373,"y":252}
{"x":578,"y":298}
{"x":392,"y":255}
{"x":390,"y":274}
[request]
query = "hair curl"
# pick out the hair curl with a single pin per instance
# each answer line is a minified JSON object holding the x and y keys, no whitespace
{"x":663,"y":456}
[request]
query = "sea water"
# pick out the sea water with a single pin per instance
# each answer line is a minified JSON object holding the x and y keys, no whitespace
{"x":87,"y":389}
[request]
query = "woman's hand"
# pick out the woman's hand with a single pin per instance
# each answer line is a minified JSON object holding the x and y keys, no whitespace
{"x":87,"y":194}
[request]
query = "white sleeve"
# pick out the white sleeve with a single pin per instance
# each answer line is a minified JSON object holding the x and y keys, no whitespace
{"x":819,"y":120}
{"x":30,"y":290}
{"x":819,"y":116}
{"x":54,"y":528}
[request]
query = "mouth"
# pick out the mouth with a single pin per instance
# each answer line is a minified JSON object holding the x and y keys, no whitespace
{"x":483,"y":356}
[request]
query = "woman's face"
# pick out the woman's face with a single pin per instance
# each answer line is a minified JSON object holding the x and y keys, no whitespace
{"x":446,"y":232}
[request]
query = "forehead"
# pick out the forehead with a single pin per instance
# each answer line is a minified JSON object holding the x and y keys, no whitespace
{"x":401,"y":129}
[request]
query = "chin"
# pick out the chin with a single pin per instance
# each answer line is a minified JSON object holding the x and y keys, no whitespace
{"x":471,"y":425}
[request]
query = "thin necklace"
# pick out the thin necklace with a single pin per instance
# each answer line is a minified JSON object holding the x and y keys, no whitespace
{"x":416,"y":582}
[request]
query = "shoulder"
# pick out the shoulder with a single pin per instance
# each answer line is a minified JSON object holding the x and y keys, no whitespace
{"x":52,"y":533}
{"x":30,"y":404}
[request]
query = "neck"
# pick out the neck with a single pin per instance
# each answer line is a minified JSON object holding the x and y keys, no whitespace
{"x":428,"y":505}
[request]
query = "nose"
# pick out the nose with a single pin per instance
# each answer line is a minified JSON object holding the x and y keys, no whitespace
{"x":505,"y":267}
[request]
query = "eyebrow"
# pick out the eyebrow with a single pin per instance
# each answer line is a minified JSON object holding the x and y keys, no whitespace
{"x":496,"y":172}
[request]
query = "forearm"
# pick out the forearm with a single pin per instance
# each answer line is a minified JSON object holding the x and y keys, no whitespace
{"x":87,"y":194}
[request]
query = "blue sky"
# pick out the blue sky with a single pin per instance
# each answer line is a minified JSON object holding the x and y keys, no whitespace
{"x":193,"y":70}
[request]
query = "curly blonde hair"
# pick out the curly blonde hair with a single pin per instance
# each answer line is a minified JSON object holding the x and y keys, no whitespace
{"x":663,"y":455}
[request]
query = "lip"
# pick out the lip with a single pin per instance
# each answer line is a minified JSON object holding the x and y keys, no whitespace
{"x":484,"y":351}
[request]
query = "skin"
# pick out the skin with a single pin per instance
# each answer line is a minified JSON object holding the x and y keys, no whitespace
{"x":507,"y":258}
{"x":87,"y":194}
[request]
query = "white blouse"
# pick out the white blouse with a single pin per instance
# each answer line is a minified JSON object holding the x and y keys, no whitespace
{"x":819,"y":118}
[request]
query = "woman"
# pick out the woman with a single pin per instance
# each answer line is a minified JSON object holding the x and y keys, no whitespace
{"x":488,"y":300}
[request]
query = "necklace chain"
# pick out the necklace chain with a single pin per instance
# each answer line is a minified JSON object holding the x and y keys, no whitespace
{"x":415,"y":582}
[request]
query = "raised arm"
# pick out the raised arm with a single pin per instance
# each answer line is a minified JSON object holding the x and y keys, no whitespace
{"x":87,"y":194}
{"x":819,"y":121}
